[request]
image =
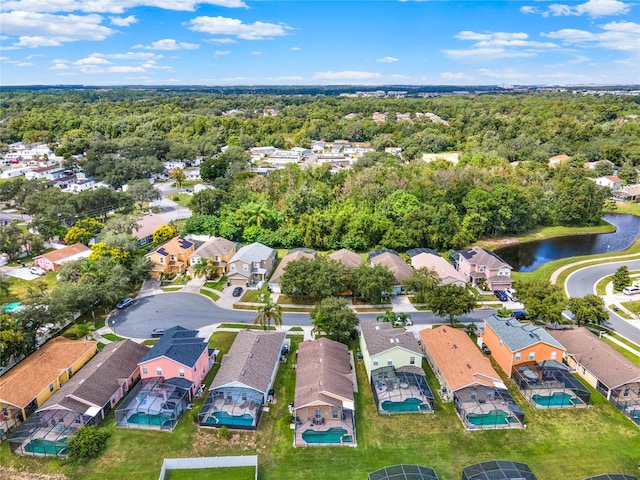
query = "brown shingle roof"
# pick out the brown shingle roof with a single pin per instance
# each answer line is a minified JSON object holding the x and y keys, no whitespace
{"x":457,"y":358}
{"x":395,"y":263}
{"x":215,"y":246}
{"x":324,"y":374}
{"x":65,"y":252}
{"x":148,"y":224}
{"x":100,"y":378}
{"x":20,"y":385}
{"x":346,"y":257}
{"x":480,"y":256}
{"x":290,"y":257}
{"x":381,"y":336}
{"x":447,"y":272}
{"x":609,"y":366}
{"x":251,"y":360}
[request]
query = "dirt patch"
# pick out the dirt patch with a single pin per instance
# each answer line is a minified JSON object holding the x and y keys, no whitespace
{"x":13,"y":474}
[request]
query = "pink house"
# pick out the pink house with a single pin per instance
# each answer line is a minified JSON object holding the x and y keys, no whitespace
{"x":179,"y":354}
{"x":478,"y":264}
{"x":51,"y":261}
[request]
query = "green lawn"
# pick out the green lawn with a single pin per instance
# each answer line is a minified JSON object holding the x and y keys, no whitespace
{"x":182,"y":199}
{"x":230,"y":473}
{"x":112,"y":337}
{"x":212,"y":295}
{"x":218,"y":284}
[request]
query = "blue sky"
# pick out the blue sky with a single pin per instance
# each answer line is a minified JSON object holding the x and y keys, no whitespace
{"x":299,"y":42}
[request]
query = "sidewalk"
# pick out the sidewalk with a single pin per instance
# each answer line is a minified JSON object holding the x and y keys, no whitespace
{"x":610,"y":259}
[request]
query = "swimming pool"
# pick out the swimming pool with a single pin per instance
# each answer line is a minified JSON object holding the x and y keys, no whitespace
{"x":147,"y":419}
{"x":223,"y":418}
{"x":332,"y":435}
{"x":46,"y":447}
{"x":556,"y":399}
{"x":494,"y":417}
{"x":408,"y":405}
{"x":12,"y":307}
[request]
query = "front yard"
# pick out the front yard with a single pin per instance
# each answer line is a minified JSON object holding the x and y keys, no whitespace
{"x":567,"y":444}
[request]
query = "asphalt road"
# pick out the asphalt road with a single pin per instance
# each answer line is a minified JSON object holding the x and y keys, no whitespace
{"x":194,"y":311}
{"x":582,"y":282}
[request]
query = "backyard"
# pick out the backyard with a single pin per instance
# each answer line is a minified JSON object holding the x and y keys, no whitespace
{"x":567,"y":444}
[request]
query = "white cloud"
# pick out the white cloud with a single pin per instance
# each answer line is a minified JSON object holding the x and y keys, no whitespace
{"x":60,"y":65}
{"x":112,"y":6}
{"x":123,"y":21}
{"x":347,"y":75}
{"x":497,"y":45}
{"x":235,"y":27}
{"x":591,"y":8}
{"x":623,"y":36}
{"x":168,"y":44}
{"x":256,"y":53}
{"x":295,"y":49}
{"x":287,"y":78}
{"x":92,"y":60}
{"x":483,"y":54}
{"x":132,"y":56}
{"x":4,"y":58}
{"x":44,"y":30}
{"x":221,"y":53}
{"x":454,"y":76}
{"x":221,"y":40}
{"x":387,"y":60}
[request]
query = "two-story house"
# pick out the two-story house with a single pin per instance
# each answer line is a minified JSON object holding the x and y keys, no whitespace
{"x":171,"y":257}
{"x":251,"y":264}
{"x":391,"y":260}
{"x":217,"y":250}
{"x":478,"y":264}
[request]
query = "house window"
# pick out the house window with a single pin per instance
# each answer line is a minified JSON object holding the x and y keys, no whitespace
{"x":583,"y":370}
{"x":318,"y":413}
{"x":334,"y":413}
{"x":518,"y":356}
{"x":375,"y":363}
{"x":626,"y":392}
{"x":70,"y":371}
{"x":245,"y":268}
{"x":233,"y":268}
{"x":161,"y":259}
{"x":554,"y":355}
{"x":216,"y":258}
{"x":412,"y":360}
{"x":78,"y":419}
{"x":390,"y":363}
{"x":532,"y":355}
{"x":145,"y":370}
{"x":182,"y":372}
{"x":159,"y":371}
{"x":173,"y":257}
{"x":480,"y":268}
{"x":51,"y":387}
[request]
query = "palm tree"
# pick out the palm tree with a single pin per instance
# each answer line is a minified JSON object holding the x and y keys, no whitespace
{"x":89,"y":271}
{"x":268,"y":312}
{"x":204,"y":268}
{"x":386,"y":317}
{"x":257,"y":214}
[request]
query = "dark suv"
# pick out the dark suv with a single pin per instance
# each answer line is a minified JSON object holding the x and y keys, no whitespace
{"x":237,"y":291}
{"x":519,"y":315}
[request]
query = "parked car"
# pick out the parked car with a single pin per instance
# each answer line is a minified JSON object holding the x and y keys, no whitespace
{"x":403,"y":319}
{"x":237,"y":291}
{"x":501,"y":295}
{"x":485,"y":350}
{"x":157,"y":332}
{"x":124,"y":303}
{"x":519,"y":315}
{"x":37,"y":271}
{"x":631,"y":290}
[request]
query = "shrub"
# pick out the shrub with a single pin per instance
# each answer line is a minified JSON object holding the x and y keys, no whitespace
{"x":88,"y":443}
{"x":224,"y":432}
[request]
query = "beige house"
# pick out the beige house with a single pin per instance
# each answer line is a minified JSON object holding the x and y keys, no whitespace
{"x":218,"y":250}
{"x":295,"y":254}
{"x":251,"y":264}
{"x":346,"y":257}
{"x":478,"y":264}
{"x":324,"y":397}
{"x":171,"y":257}
{"x":447,"y":272}
{"x":395,"y":263}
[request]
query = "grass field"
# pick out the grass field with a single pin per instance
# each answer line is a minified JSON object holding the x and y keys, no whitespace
{"x":230,"y":473}
{"x":212,"y":295}
{"x":567,"y":444}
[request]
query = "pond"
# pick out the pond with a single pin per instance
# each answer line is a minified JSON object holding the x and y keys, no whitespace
{"x":526,"y":257}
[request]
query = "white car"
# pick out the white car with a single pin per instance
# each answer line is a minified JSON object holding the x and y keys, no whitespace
{"x":37,"y":271}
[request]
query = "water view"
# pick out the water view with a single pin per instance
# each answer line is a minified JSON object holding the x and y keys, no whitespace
{"x":526,"y":257}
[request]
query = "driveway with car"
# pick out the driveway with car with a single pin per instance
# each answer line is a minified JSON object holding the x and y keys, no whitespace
{"x":19,"y":272}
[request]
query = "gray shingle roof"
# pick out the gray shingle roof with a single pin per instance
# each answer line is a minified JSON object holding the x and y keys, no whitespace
{"x":215,"y":246}
{"x":251,"y":360}
{"x":292,"y":255}
{"x":180,"y":345}
{"x":381,"y":336}
{"x":253,"y":252}
{"x":346,"y":257}
{"x":480,"y":256}
{"x":518,"y":336}
{"x":323,"y":373}
{"x":100,"y":378}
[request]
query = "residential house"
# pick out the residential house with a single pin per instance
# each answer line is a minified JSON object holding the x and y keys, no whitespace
{"x":593,"y":165}
{"x":468,"y":379}
{"x":199,"y":187}
{"x":171,"y":372}
{"x":81,"y":185}
{"x":146,"y":226}
{"x":14,"y":172}
{"x":346,"y":257}
{"x":628,"y":193}
{"x":604,"y":368}
{"x":292,"y":255}
{"x":556,"y":160}
{"x":324,"y":399}
{"x":609,"y":181}
{"x":217,"y":250}
{"x":393,"y":361}
{"x":393,"y":150}
{"x":45,"y":173}
{"x":479,"y":265}
{"x":391,"y":260}
{"x":379,"y":117}
{"x":244,"y":383}
{"x":31,"y":383}
{"x":251,"y":264}
{"x":192,"y":174}
{"x":84,"y":400}
{"x":284,"y":157}
{"x":51,"y":261}
{"x":427,"y":258}
{"x":171,"y":257}
{"x":533,"y":358}
{"x":448,"y":157}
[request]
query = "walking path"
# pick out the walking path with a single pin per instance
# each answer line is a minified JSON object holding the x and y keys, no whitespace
{"x":622,"y":344}
{"x":559,"y":271}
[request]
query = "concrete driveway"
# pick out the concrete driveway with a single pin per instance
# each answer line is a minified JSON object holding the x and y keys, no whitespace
{"x":19,"y":272}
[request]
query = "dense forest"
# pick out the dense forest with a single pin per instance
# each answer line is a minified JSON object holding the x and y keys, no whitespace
{"x":501,"y":186}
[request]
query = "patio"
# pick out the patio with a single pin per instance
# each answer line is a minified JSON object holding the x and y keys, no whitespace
{"x":325,"y":424}
{"x":477,"y":403}
{"x":233,"y":407}
{"x":404,"y":390}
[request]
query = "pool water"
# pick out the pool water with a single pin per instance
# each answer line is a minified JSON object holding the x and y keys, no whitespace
{"x":146,"y":419}
{"x":223,"y":418}
{"x":46,"y":447}
{"x":333,"y":435}
{"x":557,"y":399}
{"x":408,"y":405}
{"x":12,"y":306}
{"x":494,"y":417}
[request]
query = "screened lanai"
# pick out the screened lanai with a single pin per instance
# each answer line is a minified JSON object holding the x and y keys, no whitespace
{"x":498,"y":470}
{"x":612,"y":476}
{"x":550,"y":384}
{"x":401,"y":390}
{"x":404,"y":472}
{"x":154,"y":404}
{"x":481,"y":407}
{"x":46,"y":432}
{"x":627,"y":399}
{"x":235,"y":407}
